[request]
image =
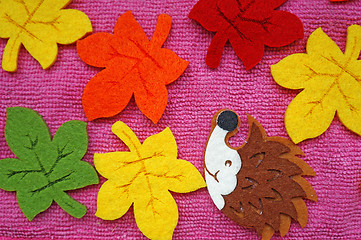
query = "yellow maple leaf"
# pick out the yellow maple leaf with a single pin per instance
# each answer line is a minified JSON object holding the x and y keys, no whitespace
{"x":331,"y":81}
{"x":39,"y":25}
{"x":144,"y":176}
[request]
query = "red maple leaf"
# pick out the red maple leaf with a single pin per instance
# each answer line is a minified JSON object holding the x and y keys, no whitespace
{"x":248,"y":25}
{"x":133,"y":64}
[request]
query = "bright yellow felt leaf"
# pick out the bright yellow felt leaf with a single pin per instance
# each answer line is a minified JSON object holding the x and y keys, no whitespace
{"x":115,"y":201}
{"x":39,"y":25}
{"x":156,"y":216}
{"x":331,"y":81}
{"x":144,"y":176}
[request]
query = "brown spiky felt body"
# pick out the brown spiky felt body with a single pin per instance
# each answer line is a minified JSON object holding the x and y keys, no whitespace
{"x":270,"y":187}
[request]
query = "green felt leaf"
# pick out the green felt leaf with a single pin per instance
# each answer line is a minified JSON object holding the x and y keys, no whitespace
{"x":13,"y":171}
{"x":70,"y":205}
{"x":80,"y":173}
{"x":27,"y":135}
{"x":72,"y":145}
{"x":32,"y":202}
{"x":45,"y":168}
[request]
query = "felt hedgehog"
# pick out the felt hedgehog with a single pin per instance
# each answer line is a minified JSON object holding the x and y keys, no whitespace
{"x":258,"y":185}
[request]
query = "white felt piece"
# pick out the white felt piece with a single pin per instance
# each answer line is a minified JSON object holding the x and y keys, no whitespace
{"x":212,"y":189}
{"x":221,"y":178}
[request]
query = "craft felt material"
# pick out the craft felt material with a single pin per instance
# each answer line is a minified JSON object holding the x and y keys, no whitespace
{"x":143,"y":177}
{"x":258,"y":185}
{"x":39,"y":25}
{"x":330,"y":83}
{"x":247,"y":25}
{"x":193,"y":99}
{"x":133,"y":64}
{"x":45,"y":167}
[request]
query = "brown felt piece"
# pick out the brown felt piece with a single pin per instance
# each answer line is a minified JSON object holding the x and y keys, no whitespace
{"x":285,"y":224}
{"x":306,"y":186}
{"x":270,"y":187}
{"x":302,"y":213}
{"x":268,"y":232}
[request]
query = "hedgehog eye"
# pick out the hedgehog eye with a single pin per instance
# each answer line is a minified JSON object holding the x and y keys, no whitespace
{"x":228,"y":163}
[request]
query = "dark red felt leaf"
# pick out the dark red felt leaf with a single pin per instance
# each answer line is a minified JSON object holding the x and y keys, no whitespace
{"x":248,"y":25}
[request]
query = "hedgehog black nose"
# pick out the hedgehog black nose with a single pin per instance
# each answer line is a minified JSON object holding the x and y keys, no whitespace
{"x":227,"y":120}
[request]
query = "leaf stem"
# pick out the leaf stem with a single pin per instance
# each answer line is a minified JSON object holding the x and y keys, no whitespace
{"x":70,"y":205}
{"x":10,"y":55}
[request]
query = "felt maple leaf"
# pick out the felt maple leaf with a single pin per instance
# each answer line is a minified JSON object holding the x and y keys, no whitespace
{"x":331,"y":81}
{"x":45,"y":167}
{"x":39,"y":25}
{"x":133,"y":64}
{"x":144,"y":176}
{"x":248,"y":25}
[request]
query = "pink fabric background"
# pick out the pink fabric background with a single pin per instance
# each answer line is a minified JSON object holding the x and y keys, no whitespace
{"x":193,"y":99}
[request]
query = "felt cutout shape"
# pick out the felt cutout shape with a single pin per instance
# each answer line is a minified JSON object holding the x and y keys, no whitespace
{"x":331,"y":81}
{"x":133,"y":64}
{"x":247,"y":25}
{"x":144,"y":176}
{"x":259,"y":184}
{"x":39,"y":25}
{"x":45,"y":167}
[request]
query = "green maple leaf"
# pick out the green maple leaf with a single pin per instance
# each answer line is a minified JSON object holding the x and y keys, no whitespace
{"x":45,"y":167}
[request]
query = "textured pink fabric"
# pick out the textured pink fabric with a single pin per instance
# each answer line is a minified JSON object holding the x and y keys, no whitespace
{"x":193,"y":99}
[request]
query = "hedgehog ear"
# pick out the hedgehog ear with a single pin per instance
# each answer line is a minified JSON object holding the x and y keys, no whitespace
{"x":256,"y":131}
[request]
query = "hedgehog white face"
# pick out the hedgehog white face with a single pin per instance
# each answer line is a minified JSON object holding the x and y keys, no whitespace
{"x":222,"y":163}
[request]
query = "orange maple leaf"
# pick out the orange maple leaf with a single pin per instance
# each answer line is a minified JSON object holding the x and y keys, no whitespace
{"x":133,"y":64}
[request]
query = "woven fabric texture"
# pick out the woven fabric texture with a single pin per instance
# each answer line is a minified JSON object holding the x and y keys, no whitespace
{"x":193,"y":99}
